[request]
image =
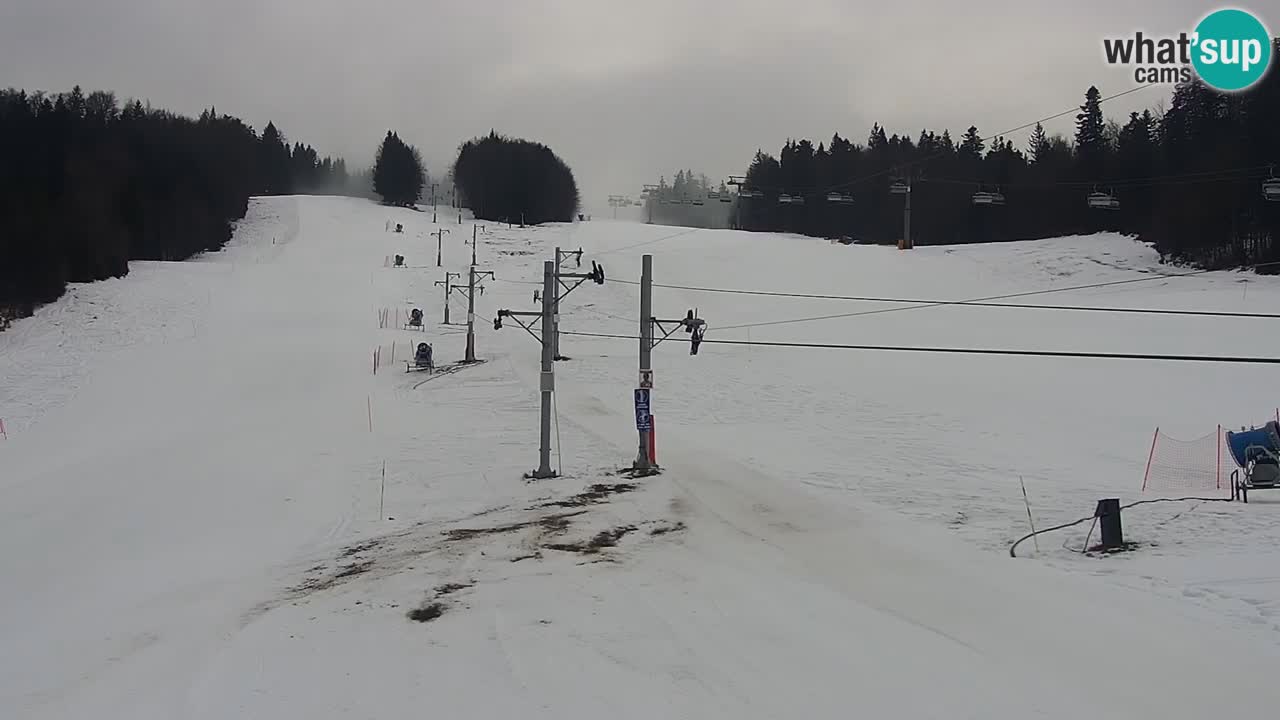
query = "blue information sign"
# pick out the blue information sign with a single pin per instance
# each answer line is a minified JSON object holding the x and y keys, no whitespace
{"x":642,"y":409}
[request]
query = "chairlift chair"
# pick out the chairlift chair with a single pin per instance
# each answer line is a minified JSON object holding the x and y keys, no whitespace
{"x":725,"y":198}
{"x":785,"y":199}
{"x":983,"y":197}
{"x":1271,"y":188}
{"x":1103,"y":201}
{"x":899,"y":188}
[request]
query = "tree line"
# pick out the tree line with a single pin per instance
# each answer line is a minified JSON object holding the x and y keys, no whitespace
{"x":1188,"y":179}
{"x":687,"y":187}
{"x":514,"y":180}
{"x":88,"y":185}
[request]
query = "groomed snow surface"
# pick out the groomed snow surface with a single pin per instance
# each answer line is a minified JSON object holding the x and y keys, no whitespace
{"x":190,"y":488}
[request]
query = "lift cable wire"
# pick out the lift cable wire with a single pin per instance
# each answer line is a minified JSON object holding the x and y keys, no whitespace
{"x":990,"y":298}
{"x":649,"y":242}
{"x":978,"y":302}
{"x":1230,"y":359}
{"x":1210,"y":176}
{"x":968,"y":303}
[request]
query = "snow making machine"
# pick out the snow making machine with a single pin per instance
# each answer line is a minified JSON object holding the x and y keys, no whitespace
{"x":415,"y":320}
{"x":1257,"y":452}
{"x":422,"y":359}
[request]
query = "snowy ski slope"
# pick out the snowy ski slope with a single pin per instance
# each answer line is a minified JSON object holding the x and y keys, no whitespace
{"x":190,"y":489}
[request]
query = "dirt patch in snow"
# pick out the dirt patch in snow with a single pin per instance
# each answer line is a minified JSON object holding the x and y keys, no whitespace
{"x":664,"y":528}
{"x":427,"y":612}
{"x":550,"y":522}
{"x":360,"y":548}
{"x":603,"y":539}
{"x":594,"y":494}
{"x":451,"y":588}
{"x":316,"y":584}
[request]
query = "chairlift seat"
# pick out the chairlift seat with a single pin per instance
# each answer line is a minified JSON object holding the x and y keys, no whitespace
{"x":1103,"y":201}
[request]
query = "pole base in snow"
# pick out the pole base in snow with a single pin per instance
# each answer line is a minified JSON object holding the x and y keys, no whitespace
{"x":538,"y":475}
{"x":636,"y":472}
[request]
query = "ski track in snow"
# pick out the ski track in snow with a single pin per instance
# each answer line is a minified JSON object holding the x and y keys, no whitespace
{"x":197,"y":450}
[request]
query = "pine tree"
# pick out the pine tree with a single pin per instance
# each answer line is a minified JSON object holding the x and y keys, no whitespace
{"x":273,"y":159}
{"x":1091,"y":141}
{"x":972,"y":145}
{"x":398,"y":174}
{"x":1037,"y":143}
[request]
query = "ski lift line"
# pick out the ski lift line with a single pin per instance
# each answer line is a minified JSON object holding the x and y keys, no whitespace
{"x":974,"y":303}
{"x":942,"y":303}
{"x":1232,"y":359}
{"x":649,"y":242}
{"x":917,"y":161}
{"x":1225,"y":175}
{"x":1207,"y":176}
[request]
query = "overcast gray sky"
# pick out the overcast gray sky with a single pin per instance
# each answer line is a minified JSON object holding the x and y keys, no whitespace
{"x":623,"y":91}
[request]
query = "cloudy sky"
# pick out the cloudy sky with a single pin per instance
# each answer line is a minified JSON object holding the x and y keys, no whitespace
{"x":623,"y":91}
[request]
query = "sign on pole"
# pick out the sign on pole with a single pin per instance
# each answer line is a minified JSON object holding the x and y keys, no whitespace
{"x":642,"y":408}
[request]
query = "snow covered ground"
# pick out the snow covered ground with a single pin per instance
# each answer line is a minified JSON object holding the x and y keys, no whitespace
{"x":190,"y":490}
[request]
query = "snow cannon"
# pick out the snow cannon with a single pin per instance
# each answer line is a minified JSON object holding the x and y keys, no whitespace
{"x":1257,"y":452}
{"x":422,"y":359}
{"x":1247,"y":445}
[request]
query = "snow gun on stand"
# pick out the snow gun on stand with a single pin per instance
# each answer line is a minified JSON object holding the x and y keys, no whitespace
{"x":415,"y":320}
{"x":422,"y":360}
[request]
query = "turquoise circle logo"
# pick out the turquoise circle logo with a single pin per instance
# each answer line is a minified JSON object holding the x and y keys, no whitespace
{"x":1232,"y":50}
